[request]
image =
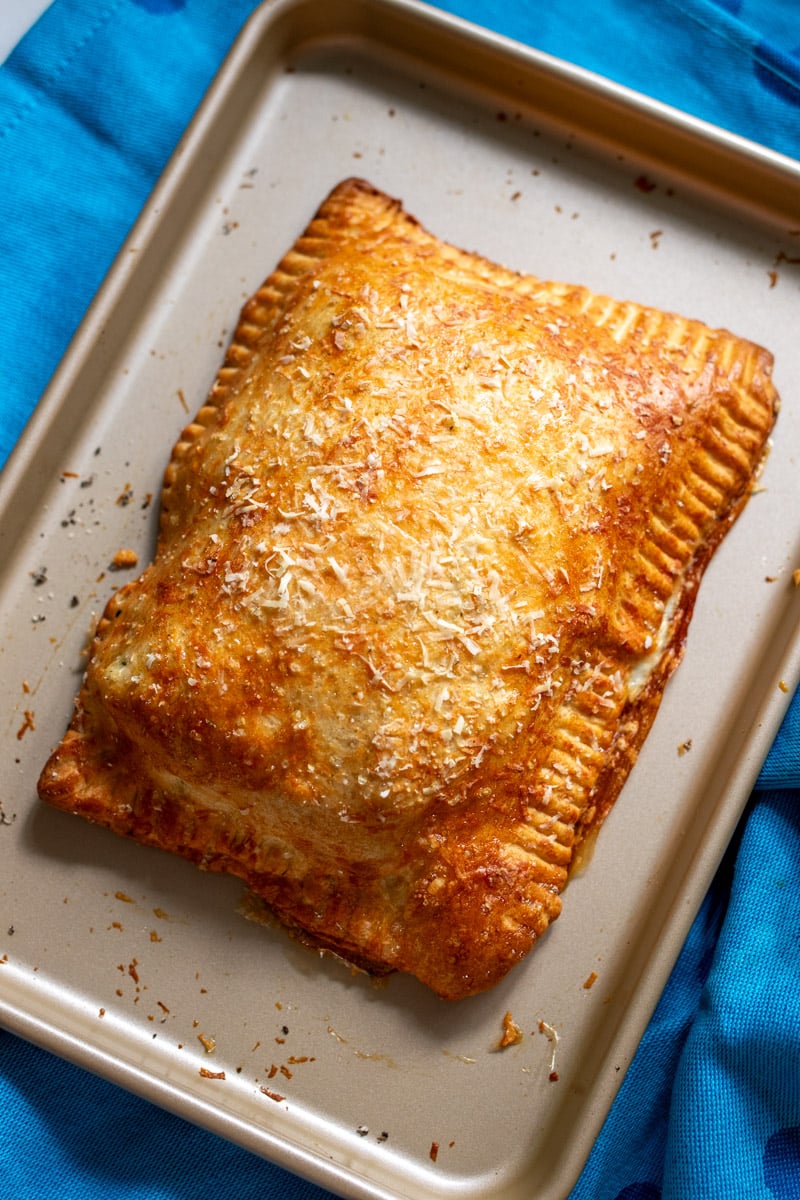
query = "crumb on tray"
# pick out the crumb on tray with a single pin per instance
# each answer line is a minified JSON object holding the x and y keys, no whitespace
{"x":124,"y":560}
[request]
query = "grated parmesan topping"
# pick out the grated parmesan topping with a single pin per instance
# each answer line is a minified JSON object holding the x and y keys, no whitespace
{"x":435,"y":534}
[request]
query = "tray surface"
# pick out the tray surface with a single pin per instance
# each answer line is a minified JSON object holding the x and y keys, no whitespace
{"x":140,"y":967}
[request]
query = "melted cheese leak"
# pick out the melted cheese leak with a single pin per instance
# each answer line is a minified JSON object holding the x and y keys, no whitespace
{"x":640,"y":673}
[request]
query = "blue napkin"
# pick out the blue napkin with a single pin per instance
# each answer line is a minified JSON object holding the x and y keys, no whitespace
{"x":91,"y":105}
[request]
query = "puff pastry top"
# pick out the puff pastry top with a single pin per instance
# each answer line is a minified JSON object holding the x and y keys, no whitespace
{"x":427,"y":557}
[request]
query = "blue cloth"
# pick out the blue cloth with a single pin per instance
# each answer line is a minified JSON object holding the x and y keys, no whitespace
{"x":91,"y":105}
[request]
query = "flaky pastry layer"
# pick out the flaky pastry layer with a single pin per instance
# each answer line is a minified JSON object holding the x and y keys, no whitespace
{"x":427,"y":558}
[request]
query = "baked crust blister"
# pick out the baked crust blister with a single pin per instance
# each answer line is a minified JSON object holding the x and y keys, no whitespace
{"x":427,"y":557}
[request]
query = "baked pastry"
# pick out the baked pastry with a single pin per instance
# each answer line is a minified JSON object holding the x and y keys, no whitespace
{"x":427,"y":558}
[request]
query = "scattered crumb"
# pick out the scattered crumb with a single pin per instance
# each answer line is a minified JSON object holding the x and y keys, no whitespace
{"x":796,"y":577}
{"x":590,"y":981}
{"x":434,"y":1151}
{"x":512,"y":1034}
{"x":214,"y":1074}
{"x":552,"y":1037}
{"x":123,"y":559}
{"x":208,"y":1043}
{"x":26,"y":725}
{"x":783,"y":685}
{"x":781,"y":257}
{"x":272,"y":1095}
{"x":684,"y":747}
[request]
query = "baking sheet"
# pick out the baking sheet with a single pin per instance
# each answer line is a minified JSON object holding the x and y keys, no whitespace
{"x":141,"y":968}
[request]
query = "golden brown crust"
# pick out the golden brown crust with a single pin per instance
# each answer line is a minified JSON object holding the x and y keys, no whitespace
{"x":426,"y":560}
